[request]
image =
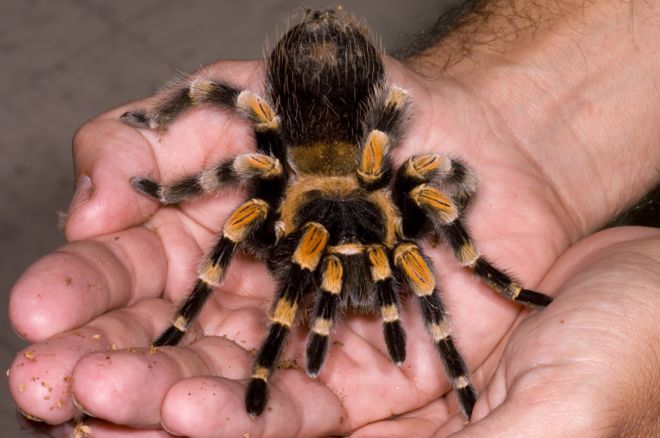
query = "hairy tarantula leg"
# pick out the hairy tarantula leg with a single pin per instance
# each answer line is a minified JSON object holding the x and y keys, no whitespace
{"x":266,"y":124}
{"x":381,"y":275}
{"x":375,"y":166}
{"x":444,"y":216}
{"x":184,"y":94}
{"x":300,"y":280}
{"x":178,"y":97}
{"x":324,"y":314}
{"x":467,"y":254}
{"x":419,"y":202}
{"x":416,"y":270}
{"x":387,"y":114}
{"x":244,"y":221}
{"x":429,"y":170}
{"x":263,"y":171}
{"x":390,"y":111}
{"x":439,"y":208}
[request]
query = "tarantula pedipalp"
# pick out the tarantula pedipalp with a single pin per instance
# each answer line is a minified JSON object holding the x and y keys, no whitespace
{"x":325,"y":206}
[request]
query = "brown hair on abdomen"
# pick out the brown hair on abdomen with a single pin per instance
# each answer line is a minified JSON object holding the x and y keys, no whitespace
{"x":321,"y":75}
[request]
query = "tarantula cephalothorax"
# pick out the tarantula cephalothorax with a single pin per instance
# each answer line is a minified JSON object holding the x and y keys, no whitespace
{"x":325,"y":207}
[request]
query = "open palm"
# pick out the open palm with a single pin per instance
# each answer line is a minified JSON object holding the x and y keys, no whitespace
{"x":110,"y":290}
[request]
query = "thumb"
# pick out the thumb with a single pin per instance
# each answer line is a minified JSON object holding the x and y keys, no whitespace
{"x":540,"y":402}
{"x":585,"y":366}
{"x":106,"y":154}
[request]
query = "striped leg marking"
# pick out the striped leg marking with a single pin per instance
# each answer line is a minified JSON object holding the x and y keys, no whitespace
{"x":381,"y":275}
{"x":408,"y":258}
{"x":454,"y":176}
{"x":248,"y":166}
{"x":389,"y":111}
{"x":299,"y":281}
{"x":240,"y":224}
{"x":426,"y":203}
{"x":385,"y":119}
{"x":266,"y":122}
{"x":374,"y":162}
{"x":245,"y":167}
{"x":417,"y":195}
{"x":436,"y":204}
{"x":258,"y":110}
{"x":467,"y":254}
{"x":426,"y":167}
{"x":417,"y":273}
{"x":176,"y":99}
{"x":324,"y":314}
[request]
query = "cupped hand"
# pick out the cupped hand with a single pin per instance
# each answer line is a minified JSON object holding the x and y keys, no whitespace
{"x":92,"y":307}
{"x":586,"y":366}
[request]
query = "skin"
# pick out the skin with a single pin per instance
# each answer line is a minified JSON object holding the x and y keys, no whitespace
{"x":541,"y":117}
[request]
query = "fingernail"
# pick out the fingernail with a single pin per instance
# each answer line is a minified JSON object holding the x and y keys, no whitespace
{"x":169,"y":431}
{"x":28,"y":416}
{"x":80,"y":407}
{"x":84,"y":191}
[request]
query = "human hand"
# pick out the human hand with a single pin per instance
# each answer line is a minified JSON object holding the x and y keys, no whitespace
{"x":585,"y":366}
{"x":105,"y":287}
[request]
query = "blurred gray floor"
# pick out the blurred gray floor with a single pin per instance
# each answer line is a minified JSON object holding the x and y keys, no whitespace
{"x":62,"y":62}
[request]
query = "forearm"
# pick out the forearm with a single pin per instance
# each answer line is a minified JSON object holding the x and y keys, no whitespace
{"x":577,"y":84}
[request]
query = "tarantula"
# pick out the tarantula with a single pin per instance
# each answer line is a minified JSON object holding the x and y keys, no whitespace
{"x":338,"y":226}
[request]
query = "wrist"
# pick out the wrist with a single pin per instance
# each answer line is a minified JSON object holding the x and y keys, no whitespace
{"x":577,"y":88}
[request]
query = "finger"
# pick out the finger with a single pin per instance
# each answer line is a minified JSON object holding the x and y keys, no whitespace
{"x":82,"y":280}
{"x":566,"y":364}
{"x":88,"y":428}
{"x":208,"y":407}
{"x":440,"y":417}
{"x":185,"y":241}
{"x":128,"y":387}
{"x":39,"y":428}
{"x":531,"y":410}
{"x":433,"y":419}
{"x":40,"y":377}
{"x":107,"y":153}
{"x":359,"y":368}
{"x":95,"y":428}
